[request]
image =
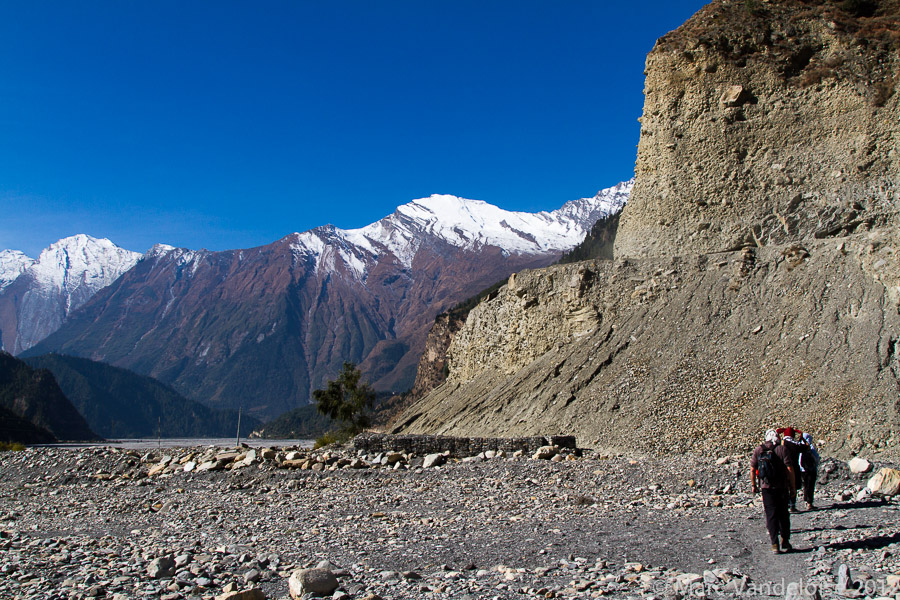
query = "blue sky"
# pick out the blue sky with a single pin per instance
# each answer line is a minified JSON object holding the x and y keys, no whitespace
{"x":231,"y":124}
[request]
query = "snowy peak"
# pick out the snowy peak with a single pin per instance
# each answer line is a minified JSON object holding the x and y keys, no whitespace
{"x":605,"y":202}
{"x":66,"y":275}
{"x":12,"y":264}
{"x":462,"y":223}
{"x":81,"y":260}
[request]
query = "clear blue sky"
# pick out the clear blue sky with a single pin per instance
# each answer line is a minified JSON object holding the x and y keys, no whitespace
{"x":231,"y":124}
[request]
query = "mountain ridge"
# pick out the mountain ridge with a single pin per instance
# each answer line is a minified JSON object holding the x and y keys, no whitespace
{"x":264,"y":326}
{"x":34,"y":396}
{"x":120,"y":404}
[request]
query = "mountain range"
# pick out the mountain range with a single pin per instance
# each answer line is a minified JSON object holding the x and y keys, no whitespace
{"x":260,"y":328}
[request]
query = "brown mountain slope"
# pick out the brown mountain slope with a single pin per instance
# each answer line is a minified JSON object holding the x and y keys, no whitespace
{"x":261,"y":328}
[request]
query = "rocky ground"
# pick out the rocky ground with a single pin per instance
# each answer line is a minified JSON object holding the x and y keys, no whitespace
{"x":200,"y":523}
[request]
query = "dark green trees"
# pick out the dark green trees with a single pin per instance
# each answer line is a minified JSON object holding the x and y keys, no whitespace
{"x":346,"y":401}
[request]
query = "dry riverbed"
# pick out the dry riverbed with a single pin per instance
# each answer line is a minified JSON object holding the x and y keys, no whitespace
{"x":199,"y":523}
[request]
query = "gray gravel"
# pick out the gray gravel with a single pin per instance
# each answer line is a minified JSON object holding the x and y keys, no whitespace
{"x":91,"y":523}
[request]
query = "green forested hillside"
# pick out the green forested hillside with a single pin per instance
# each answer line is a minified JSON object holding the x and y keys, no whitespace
{"x":118,"y":403}
{"x":14,"y":428}
{"x":32,"y":396}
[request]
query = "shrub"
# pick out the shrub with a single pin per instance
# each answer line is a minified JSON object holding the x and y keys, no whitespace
{"x":331,"y":437}
{"x":346,"y":401}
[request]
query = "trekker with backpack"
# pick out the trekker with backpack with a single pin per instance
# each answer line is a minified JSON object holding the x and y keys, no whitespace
{"x":809,"y":464}
{"x":791,"y":439}
{"x":772,"y":473}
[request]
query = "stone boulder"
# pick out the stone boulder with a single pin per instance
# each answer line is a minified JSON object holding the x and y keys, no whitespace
{"x":434,"y":460}
{"x":320,"y":582}
{"x":885,"y":482}
{"x":859,"y":465}
{"x":249,"y":594}
{"x":545,"y":453}
{"x":162,"y":567}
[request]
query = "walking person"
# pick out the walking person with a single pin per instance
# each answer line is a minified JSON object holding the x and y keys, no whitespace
{"x":790,"y":437}
{"x":809,"y":464}
{"x":772,"y":473}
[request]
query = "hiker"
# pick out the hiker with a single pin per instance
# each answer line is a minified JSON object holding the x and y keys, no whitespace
{"x":772,"y":473}
{"x":791,"y":438}
{"x":809,"y":465}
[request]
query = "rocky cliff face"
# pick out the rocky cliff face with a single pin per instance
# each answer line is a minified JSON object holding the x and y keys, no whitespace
{"x":756,"y":273}
{"x":433,"y":365}
{"x":763,"y":123}
{"x":682,"y":353}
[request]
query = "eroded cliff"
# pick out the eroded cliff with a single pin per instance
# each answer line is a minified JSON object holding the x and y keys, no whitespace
{"x":766,"y":122}
{"x":756,"y":279}
{"x":684,"y":353}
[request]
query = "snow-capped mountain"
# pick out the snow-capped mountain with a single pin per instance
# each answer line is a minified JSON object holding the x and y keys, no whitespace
{"x":45,"y":291}
{"x":263,"y":327}
{"x":465,"y":224}
{"x":12,"y":263}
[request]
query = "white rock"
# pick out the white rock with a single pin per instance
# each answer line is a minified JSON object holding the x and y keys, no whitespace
{"x":859,"y":465}
{"x":433,"y":460}
{"x":545,"y":453}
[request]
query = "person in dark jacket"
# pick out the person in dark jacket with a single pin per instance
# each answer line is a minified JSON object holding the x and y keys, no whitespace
{"x":791,"y":437}
{"x":777,"y":488}
{"x":809,"y":465}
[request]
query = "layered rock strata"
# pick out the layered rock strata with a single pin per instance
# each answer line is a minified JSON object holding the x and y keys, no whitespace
{"x":766,"y":122}
{"x":684,"y":353}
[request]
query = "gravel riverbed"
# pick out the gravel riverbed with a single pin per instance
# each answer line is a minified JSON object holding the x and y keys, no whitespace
{"x":204,"y":522}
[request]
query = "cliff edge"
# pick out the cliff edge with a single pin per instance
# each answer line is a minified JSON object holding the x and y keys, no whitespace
{"x":767,"y":122}
{"x":756,"y":278}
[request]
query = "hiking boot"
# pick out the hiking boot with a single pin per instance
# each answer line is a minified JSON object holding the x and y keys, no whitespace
{"x":794,"y":508}
{"x":786,"y":546}
{"x":775,"y":549}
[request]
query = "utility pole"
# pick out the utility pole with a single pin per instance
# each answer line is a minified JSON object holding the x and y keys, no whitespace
{"x":238,"y":442}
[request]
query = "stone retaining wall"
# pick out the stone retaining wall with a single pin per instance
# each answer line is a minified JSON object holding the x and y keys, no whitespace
{"x":457,"y":446}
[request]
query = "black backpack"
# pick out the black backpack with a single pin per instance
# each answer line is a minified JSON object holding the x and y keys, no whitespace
{"x":766,"y":469}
